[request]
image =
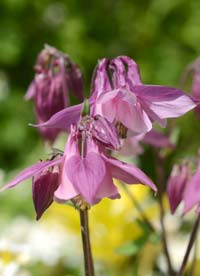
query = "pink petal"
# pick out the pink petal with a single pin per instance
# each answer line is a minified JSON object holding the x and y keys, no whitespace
{"x":133,"y":117}
{"x":65,"y":190}
{"x":131,"y":146}
{"x":165,"y":102}
{"x":118,"y":73}
{"x":100,"y":80}
{"x":107,"y":188}
{"x":157,"y":139}
{"x":192,"y":193}
{"x":128,"y":173}
{"x":106,"y":105}
{"x":86,"y":174}
{"x":133,"y":74}
{"x":30,"y":94}
{"x":176,"y":185}
{"x":30,"y":172}
{"x":105,"y":132}
{"x":63,"y":119}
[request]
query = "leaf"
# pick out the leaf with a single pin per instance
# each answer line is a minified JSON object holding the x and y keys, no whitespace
{"x":133,"y":247}
{"x":145,"y":227}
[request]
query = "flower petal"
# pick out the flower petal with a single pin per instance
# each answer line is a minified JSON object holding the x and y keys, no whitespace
{"x":105,"y":132}
{"x":86,"y":174}
{"x":106,"y":105}
{"x":107,"y":188}
{"x":133,"y":74}
{"x":165,"y":102}
{"x":30,"y":172}
{"x":128,"y":173}
{"x":100,"y":80}
{"x":30,"y":94}
{"x":118,"y":73}
{"x":63,"y":119}
{"x":133,"y":117}
{"x":157,"y":139}
{"x":176,"y":185}
{"x":191,"y":195}
{"x":65,"y":190}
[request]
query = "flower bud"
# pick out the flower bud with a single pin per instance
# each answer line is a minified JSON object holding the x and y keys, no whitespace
{"x":43,"y":188}
{"x":56,"y":76}
{"x":176,"y":185}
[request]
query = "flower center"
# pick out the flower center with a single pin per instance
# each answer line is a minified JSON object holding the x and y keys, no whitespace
{"x":121,"y":130}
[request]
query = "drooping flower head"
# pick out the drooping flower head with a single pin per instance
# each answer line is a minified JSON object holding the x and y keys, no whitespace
{"x":87,"y":170}
{"x":84,"y":174}
{"x":56,"y":76}
{"x":119,"y":95}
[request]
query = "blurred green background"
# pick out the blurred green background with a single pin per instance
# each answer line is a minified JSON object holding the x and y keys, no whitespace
{"x":161,"y":36}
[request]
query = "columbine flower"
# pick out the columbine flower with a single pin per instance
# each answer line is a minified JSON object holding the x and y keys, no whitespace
{"x":56,"y":75}
{"x":134,"y":105}
{"x":119,"y":95}
{"x":86,"y":171}
{"x":176,"y":185}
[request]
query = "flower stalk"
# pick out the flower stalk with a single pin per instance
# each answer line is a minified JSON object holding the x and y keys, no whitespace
{"x":88,"y":260}
{"x":160,"y":180}
{"x":190,"y":245}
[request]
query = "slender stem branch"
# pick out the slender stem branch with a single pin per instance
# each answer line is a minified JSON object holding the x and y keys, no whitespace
{"x":88,"y":261}
{"x":192,"y":268}
{"x":138,"y":207}
{"x":190,"y":244}
{"x":161,"y":185}
{"x":164,"y":239}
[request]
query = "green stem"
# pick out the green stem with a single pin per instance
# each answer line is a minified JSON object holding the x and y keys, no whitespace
{"x":164,"y":237}
{"x":189,"y":247}
{"x":161,"y":188}
{"x":88,"y":260}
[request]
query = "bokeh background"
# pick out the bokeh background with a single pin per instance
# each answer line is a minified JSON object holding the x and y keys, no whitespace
{"x":162,"y":37}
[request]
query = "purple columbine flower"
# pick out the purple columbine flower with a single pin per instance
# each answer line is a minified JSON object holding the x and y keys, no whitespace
{"x":56,"y":76}
{"x":126,"y":100}
{"x":88,"y":171}
{"x":119,"y":95}
{"x":85,"y":171}
{"x":177,"y":184}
